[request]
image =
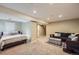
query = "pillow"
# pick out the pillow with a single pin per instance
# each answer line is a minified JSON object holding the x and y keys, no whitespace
{"x":1,"y":34}
{"x":19,"y":32}
{"x":6,"y":34}
{"x":57,"y":34}
{"x":74,"y":39}
{"x":71,"y":36}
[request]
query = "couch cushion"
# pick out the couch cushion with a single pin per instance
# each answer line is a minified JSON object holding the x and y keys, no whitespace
{"x":57,"y":34}
{"x":65,"y":34}
{"x":75,"y":39}
{"x":71,"y":36}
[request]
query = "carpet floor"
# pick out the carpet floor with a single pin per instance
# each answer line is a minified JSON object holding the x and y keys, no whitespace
{"x":36,"y":47}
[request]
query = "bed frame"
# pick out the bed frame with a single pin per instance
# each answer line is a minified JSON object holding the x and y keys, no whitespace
{"x":14,"y":44}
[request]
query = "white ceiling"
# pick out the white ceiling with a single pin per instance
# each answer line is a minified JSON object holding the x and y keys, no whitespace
{"x":47,"y":10}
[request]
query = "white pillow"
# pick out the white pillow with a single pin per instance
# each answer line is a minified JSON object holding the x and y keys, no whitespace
{"x":5,"y":34}
{"x":71,"y":36}
{"x":74,"y":39}
{"x":57,"y":34}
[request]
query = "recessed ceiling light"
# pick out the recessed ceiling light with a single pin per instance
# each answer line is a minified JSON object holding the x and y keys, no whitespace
{"x":34,"y":11}
{"x":60,"y":15}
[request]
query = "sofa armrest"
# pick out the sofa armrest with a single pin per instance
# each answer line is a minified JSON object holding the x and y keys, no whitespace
{"x":72,"y":43}
{"x":51,"y":35}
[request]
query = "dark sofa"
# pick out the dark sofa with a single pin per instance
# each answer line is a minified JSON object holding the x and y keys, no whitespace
{"x":72,"y":45}
{"x":63,"y":36}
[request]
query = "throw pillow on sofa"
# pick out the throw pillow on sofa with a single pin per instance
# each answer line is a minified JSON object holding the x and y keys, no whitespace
{"x":57,"y":34}
{"x":75,"y":39}
{"x":71,"y":36}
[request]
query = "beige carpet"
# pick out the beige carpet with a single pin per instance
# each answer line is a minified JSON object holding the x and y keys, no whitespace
{"x":37,"y":47}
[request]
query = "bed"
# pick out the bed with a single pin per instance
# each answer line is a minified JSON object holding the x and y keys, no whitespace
{"x":12,"y":40}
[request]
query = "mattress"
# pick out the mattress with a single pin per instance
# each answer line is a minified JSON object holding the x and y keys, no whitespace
{"x":10,"y":39}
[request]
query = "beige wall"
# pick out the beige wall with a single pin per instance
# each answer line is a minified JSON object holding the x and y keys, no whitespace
{"x":71,"y":26}
{"x":41,"y":30}
{"x":37,"y":30}
{"x":34,"y":30}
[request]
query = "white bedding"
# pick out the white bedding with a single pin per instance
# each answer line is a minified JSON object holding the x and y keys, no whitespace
{"x":9,"y":39}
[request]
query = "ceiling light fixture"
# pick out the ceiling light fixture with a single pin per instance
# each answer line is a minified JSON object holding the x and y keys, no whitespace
{"x":60,"y":15}
{"x":34,"y":11}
